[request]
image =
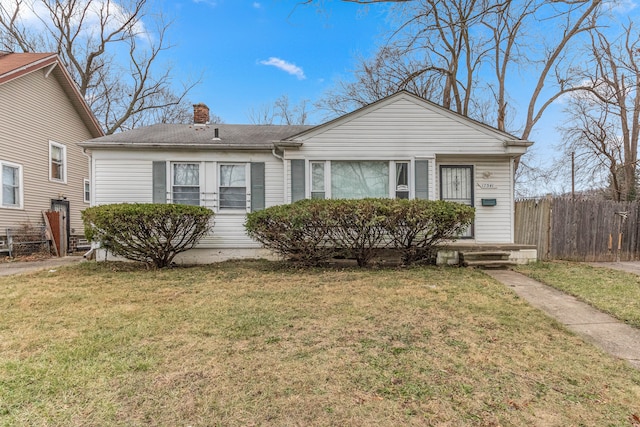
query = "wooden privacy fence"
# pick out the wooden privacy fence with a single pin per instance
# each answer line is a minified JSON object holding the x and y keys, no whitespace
{"x":580,"y":230}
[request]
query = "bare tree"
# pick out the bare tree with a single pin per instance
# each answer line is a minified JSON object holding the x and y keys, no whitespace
{"x":281,"y":112}
{"x":605,"y":125}
{"x":461,"y":50}
{"x":112,"y":49}
{"x":263,"y":115}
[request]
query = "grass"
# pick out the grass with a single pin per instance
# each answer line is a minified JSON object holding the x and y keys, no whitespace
{"x":253,"y":343}
{"x":614,"y":292}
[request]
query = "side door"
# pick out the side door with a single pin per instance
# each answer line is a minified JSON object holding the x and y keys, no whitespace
{"x":63,"y":207}
{"x":456,"y":185}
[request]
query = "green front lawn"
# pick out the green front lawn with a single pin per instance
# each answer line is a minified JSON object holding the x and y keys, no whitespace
{"x":253,"y":343}
{"x":612,"y":291}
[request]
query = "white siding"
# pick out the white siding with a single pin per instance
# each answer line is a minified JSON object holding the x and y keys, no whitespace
{"x":126,"y":176}
{"x":399,"y":129}
{"x":491,"y":180}
{"x":122,"y":181}
{"x":405,"y":129}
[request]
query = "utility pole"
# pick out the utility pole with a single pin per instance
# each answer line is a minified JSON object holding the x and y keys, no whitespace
{"x":573,"y":175}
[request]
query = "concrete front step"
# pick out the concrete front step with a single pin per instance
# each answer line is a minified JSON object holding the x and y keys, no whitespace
{"x":485,"y":254}
{"x":495,"y":263}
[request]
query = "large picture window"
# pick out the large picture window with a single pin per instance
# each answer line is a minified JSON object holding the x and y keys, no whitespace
{"x":57,"y":162}
{"x":11,"y":180}
{"x":359,"y":179}
{"x":233,"y":186}
{"x":186,"y":183}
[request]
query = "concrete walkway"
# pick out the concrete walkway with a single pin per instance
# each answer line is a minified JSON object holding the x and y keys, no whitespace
{"x":19,"y":267}
{"x":602,"y":330}
{"x":628,"y":266}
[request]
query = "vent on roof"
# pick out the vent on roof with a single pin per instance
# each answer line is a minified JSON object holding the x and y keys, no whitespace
{"x":216,"y":133}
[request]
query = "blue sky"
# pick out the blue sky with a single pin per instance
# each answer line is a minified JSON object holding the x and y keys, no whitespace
{"x":253,"y":52}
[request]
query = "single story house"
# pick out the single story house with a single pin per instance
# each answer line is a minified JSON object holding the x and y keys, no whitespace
{"x":401,"y":146}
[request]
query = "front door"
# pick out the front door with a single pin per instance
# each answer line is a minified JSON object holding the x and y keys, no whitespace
{"x":456,"y":185}
{"x":63,"y":206}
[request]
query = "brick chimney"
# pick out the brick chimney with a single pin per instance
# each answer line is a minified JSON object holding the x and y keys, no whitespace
{"x":200,"y":114}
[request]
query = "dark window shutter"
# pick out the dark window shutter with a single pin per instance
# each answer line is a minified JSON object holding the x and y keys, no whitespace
{"x":257,"y":187}
{"x":159,"y":182}
{"x":297,"y":180}
{"x":422,"y":179}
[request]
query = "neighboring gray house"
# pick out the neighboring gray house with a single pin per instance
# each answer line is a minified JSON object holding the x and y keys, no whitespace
{"x":42,"y":117}
{"x":401,"y":146}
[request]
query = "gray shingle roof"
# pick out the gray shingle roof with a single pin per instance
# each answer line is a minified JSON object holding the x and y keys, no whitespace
{"x":243,"y":137}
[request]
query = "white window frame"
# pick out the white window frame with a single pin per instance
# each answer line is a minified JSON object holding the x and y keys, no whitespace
{"x":326,"y":183}
{"x":86,"y":184}
{"x":247,"y":186}
{"x":63,"y":166}
{"x":392,"y":176}
{"x":20,"y":204}
{"x":172,"y":184}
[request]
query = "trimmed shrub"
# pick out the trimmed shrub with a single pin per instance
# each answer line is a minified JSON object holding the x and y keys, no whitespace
{"x":417,"y":227}
{"x":150,"y":233}
{"x":298,"y":231}
{"x":358,"y":227}
{"x":313,"y":231}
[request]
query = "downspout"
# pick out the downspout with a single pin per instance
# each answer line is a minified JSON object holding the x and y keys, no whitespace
{"x":91,"y":253}
{"x":284,"y":173}
{"x":512,"y":178}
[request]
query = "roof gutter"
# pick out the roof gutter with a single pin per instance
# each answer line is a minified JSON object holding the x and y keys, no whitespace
{"x":286,"y":144}
{"x":188,"y":146}
{"x":517,"y":147}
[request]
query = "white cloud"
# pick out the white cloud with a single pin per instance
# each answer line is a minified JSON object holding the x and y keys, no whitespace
{"x":257,"y":5}
{"x":285,"y":66}
{"x":212,"y":3}
{"x":622,"y":7}
{"x":34,"y":15}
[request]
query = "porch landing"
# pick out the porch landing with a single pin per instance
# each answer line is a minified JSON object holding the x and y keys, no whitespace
{"x":510,"y":253}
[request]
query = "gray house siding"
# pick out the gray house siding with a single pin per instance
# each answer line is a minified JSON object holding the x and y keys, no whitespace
{"x":34,"y":110}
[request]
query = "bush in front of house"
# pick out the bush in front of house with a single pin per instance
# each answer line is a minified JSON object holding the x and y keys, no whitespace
{"x":313,"y":231}
{"x":146,"y":232}
{"x":417,"y":227}
{"x":358,"y":227}
{"x":298,"y":231}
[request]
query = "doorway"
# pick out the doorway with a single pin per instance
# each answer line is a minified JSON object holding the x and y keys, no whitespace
{"x":62,"y":206}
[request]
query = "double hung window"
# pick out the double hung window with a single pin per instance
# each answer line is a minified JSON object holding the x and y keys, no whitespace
{"x":233,"y":186}
{"x":87,"y":191}
{"x":57,"y":162}
{"x":186,"y":183}
{"x":402,"y":180}
{"x":317,"y":180}
{"x":11,"y":179}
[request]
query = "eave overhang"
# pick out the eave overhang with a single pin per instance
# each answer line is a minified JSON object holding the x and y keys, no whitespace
{"x":169,"y":146}
{"x":517,"y":146}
